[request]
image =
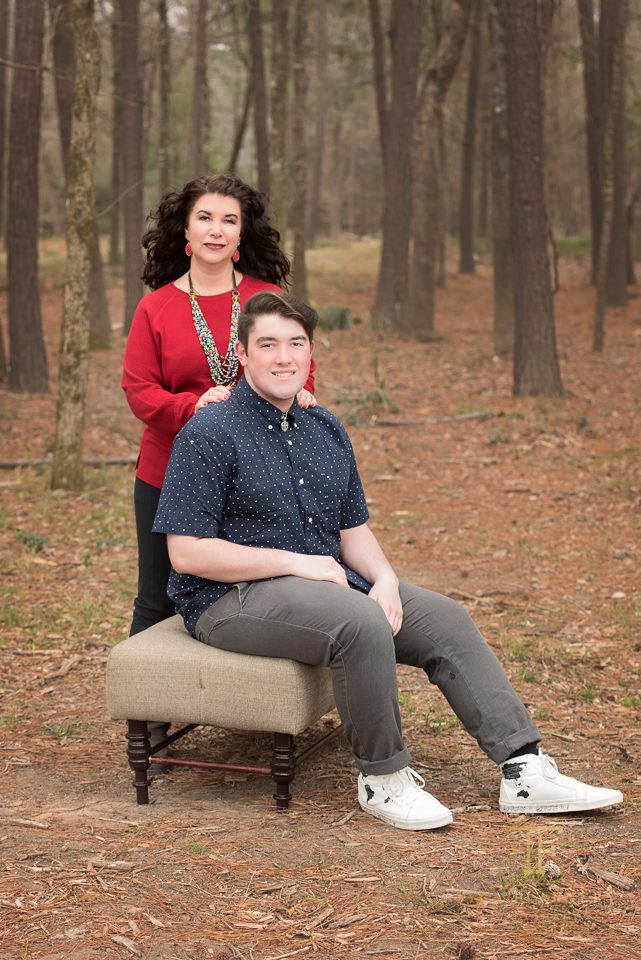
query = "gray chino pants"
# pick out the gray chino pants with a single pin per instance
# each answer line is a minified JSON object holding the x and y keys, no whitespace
{"x":317,"y":622}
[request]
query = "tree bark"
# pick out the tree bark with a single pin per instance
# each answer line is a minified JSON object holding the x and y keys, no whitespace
{"x":380,"y":74}
{"x":164,"y":124}
{"x":302,"y":17}
{"x":132,"y":167}
{"x":593,"y":123}
{"x":259,"y":87}
{"x":612,"y":121}
{"x":466,"y":213}
{"x":199,"y":120}
{"x":611,"y":60}
{"x":4,"y":73}
{"x":115,"y":213}
{"x":503,"y":320}
{"x":28,"y":358}
{"x":79,"y":233}
{"x":278,"y":108}
{"x":391,"y":291}
{"x":536,"y":366}
{"x":426,"y":231}
{"x":320,"y":118}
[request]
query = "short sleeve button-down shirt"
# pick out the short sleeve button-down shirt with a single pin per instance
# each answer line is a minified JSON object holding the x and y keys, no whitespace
{"x":235,"y":473}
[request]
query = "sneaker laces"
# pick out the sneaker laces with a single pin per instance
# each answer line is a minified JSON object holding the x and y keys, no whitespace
{"x":404,"y":781}
{"x":548,"y":766}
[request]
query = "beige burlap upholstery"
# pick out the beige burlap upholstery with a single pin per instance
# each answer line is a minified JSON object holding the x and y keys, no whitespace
{"x":164,"y":674}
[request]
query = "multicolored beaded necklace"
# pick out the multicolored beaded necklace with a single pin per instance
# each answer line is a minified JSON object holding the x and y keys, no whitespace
{"x":224,"y":370}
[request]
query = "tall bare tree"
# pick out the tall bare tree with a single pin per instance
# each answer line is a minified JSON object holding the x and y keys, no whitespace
{"x":4,"y":73}
{"x":64,"y":61}
{"x":79,"y":232}
{"x":612,"y":131}
{"x":132,"y":166}
{"x":320,"y":122}
{"x":115,"y":208}
{"x":259,"y":87}
{"x":380,"y":73}
{"x":28,"y":358}
{"x":503,"y":321}
{"x":199,"y":117}
{"x":164,"y":131}
{"x":428,"y":179}
{"x":468,"y":157}
{"x":536,"y":365}
{"x":591,"y":85}
{"x":391,"y":289}
{"x":279,"y":73}
{"x":302,"y":16}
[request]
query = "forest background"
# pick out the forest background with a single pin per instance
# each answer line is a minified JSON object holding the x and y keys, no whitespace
{"x":457,"y":183}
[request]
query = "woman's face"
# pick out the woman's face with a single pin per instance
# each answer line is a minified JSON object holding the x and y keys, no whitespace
{"x":213,"y":229}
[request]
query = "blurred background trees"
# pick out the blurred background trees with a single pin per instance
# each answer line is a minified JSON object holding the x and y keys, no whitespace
{"x":386,"y":119}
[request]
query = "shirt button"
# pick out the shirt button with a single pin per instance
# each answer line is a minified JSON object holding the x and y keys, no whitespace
{"x":270,"y":427}
{"x":289,"y":442}
{"x":301,"y":481}
{"x":310,"y":519}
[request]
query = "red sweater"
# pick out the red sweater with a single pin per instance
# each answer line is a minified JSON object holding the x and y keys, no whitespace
{"x":165,"y":370}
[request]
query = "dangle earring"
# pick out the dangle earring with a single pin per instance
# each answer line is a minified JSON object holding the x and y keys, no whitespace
{"x":188,"y":249}
{"x":235,"y":255}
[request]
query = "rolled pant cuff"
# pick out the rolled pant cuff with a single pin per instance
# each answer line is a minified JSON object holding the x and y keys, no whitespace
{"x":378,"y":768}
{"x":507,"y":747}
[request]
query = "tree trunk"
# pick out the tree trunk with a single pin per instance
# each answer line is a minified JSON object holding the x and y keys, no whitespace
{"x":466,"y":213}
{"x":115,"y":213}
{"x":616,"y":291}
{"x":503,"y":323}
{"x":380,"y":74}
{"x":4,"y":73}
{"x":132,"y":167}
{"x":612,"y":121}
{"x":536,"y":365}
{"x":28,"y":358}
{"x":79,"y":233}
{"x":302,"y":15}
{"x":259,"y":87}
{"x":278,"y":106}
{"x":241,"y":127}
{"x":164,"y":124}
{"x":593,"y":124}
{"x":391,"y":291}
{"x":199,"y":121}
{"x":427,"y":172}
{"x":64,"y":61}
{"x":320,"y":117}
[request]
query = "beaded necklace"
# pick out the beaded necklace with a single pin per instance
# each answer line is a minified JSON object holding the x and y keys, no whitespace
{"x":224,"y":370}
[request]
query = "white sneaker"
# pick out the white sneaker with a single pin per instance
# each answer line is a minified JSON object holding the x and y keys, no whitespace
{"x":398,"y":799}
{"x":532,"y":784}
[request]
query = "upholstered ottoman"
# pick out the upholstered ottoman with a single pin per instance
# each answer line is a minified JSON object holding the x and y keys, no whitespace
{"x":164,"y":674}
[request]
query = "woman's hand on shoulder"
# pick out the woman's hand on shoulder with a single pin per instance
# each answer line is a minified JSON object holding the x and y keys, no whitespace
{"x":213,"y":395}
{"x":306,"y":399}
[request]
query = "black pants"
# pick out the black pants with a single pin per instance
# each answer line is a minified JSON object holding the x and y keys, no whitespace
{"x":152,"y":603}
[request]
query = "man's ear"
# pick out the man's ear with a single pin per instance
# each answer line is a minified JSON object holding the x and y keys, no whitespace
{"x":241,"y":353}
{"x":311,"y":347}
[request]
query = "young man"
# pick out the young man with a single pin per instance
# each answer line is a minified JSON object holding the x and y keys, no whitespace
{"x":271,"y":553}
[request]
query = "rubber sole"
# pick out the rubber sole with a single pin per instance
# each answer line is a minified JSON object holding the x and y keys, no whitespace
{"x":571,"y":806}
{"x":432,"y":824}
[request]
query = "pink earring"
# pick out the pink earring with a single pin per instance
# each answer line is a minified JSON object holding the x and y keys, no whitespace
{"x":235,"y":256}
{"x":188,"y":249}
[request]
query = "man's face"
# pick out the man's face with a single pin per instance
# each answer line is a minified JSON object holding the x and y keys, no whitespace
{"x":277,"y":359}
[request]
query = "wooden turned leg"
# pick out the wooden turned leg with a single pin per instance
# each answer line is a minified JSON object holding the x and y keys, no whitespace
{"x":138,"y":750}
{"x":283,"y":767}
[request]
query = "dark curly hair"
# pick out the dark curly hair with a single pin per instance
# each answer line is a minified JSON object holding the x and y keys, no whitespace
{"x":164,"y":241}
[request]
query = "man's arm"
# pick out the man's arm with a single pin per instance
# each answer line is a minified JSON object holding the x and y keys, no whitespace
{"x":361,"y":551}
{"x":227,"y":562}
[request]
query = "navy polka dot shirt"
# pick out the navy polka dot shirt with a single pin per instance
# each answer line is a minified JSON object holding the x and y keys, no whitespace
{"x":234,"y":473}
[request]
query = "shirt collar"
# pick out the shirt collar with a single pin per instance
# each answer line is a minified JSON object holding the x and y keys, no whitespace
{"x":247,"y":396}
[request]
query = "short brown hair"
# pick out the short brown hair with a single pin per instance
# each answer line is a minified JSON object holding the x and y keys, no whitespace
{"x":276,"y":301}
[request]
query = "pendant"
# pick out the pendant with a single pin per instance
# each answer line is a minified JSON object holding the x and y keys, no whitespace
{"x":284,"y":425}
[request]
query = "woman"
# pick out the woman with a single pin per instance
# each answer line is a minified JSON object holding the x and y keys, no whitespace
{"x":210,"y":247}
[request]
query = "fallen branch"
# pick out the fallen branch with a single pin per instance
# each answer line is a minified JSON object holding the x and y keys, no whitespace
{"x":483,"y":415}
{"x":90,"y":462}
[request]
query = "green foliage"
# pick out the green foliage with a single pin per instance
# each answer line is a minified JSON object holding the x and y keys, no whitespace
{"x":34,"y":542}
{"x":334,"y":317}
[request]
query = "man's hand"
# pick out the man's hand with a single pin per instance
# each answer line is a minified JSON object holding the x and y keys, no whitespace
{"x":385,"y":593}
{"x":306,"y":399}
{"x":213,"y":395}
{"x":314,"y":567}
